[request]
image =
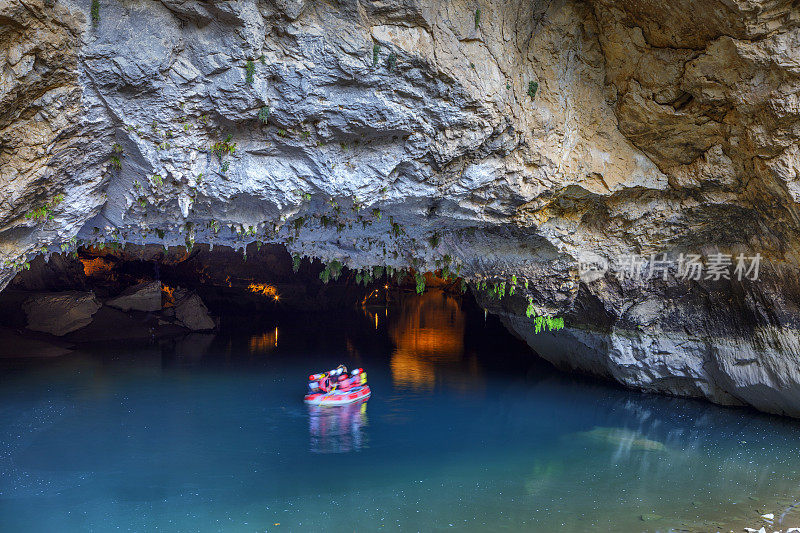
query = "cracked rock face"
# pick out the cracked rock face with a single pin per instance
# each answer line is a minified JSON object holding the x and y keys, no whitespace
{"x":496,"y":139}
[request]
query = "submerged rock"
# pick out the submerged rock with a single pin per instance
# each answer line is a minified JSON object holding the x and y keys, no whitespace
{"x":61,"y":312}
{"x":623,"y":437}
{"x":142,"y":297}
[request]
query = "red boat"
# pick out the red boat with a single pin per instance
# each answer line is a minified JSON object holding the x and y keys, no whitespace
{"x":338,"y":397}
{"x":337,"y":387}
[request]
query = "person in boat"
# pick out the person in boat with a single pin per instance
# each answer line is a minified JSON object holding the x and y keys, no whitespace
{"x":342,"y":378}
{"x":337,"y":379}
{"x":329,"y":381}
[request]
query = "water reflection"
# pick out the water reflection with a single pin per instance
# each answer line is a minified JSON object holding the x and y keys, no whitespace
{"x":143,"y":437}
{"x":264,"y":343}
{"x":429,"y":340}
{"x":337,"y":429}
{"x":193,"y":347}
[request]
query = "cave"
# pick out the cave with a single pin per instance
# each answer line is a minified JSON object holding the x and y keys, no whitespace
{"x":354,"y":265}
{"x":143,"y":370}
{"x":143,"y":293}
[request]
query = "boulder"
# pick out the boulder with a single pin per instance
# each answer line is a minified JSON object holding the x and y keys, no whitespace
{"x":59,"y":313}
{"x":142,"y":297}
{"x":192,"y":313}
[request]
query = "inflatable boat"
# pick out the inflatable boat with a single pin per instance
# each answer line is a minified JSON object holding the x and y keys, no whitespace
{"x":337,"y":387}
{"x":336,"y":397}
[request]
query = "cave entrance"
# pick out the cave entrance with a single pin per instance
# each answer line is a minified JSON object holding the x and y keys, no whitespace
{"x":262,"y":302}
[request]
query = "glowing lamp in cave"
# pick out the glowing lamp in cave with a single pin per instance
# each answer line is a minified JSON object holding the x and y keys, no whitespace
{"x":97,"y":267}
{"x":276,"y":297}
{"x":264,"y":289}
{"x":167,"y":296}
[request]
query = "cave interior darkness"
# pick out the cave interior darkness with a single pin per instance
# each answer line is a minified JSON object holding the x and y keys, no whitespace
{"x":249,"y":295}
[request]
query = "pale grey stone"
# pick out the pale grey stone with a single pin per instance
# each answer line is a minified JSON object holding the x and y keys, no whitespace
{"x":145,"y":296}
{"x":192,"y":313}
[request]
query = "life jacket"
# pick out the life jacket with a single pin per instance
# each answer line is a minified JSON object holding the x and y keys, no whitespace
{"x":325,"y":384}
{"x":345,"y":383}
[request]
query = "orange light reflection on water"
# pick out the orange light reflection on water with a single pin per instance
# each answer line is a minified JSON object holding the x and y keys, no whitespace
{"x":264,"y":343}
{"x":429,"y":341}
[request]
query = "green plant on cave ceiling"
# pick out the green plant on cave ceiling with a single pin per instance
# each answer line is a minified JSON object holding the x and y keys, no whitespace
{"x":19,"y":264}
{"x":533,"y":88}
{"x":332,"y":271}
{"x":263,"y":114}
{"x":45,"y":212}
{"x":376,"y":50}
{"x":298,"y":224}
{"x":116,"y":155}
{"x":223,"y":148}
{"x":250,"y":70}
{"x":419,"y":278}
{"x":543,"y":322}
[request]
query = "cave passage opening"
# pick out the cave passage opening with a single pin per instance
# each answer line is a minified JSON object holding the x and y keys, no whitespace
{"x":156,"y":295}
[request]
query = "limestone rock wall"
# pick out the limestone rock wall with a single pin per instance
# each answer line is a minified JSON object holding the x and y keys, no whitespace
{"x":503,"y":138}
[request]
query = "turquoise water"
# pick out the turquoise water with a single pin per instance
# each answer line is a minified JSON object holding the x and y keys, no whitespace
{"x":464,"y":431}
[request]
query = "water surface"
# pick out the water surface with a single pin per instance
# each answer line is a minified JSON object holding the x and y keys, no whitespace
{"x":465,"y":430}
